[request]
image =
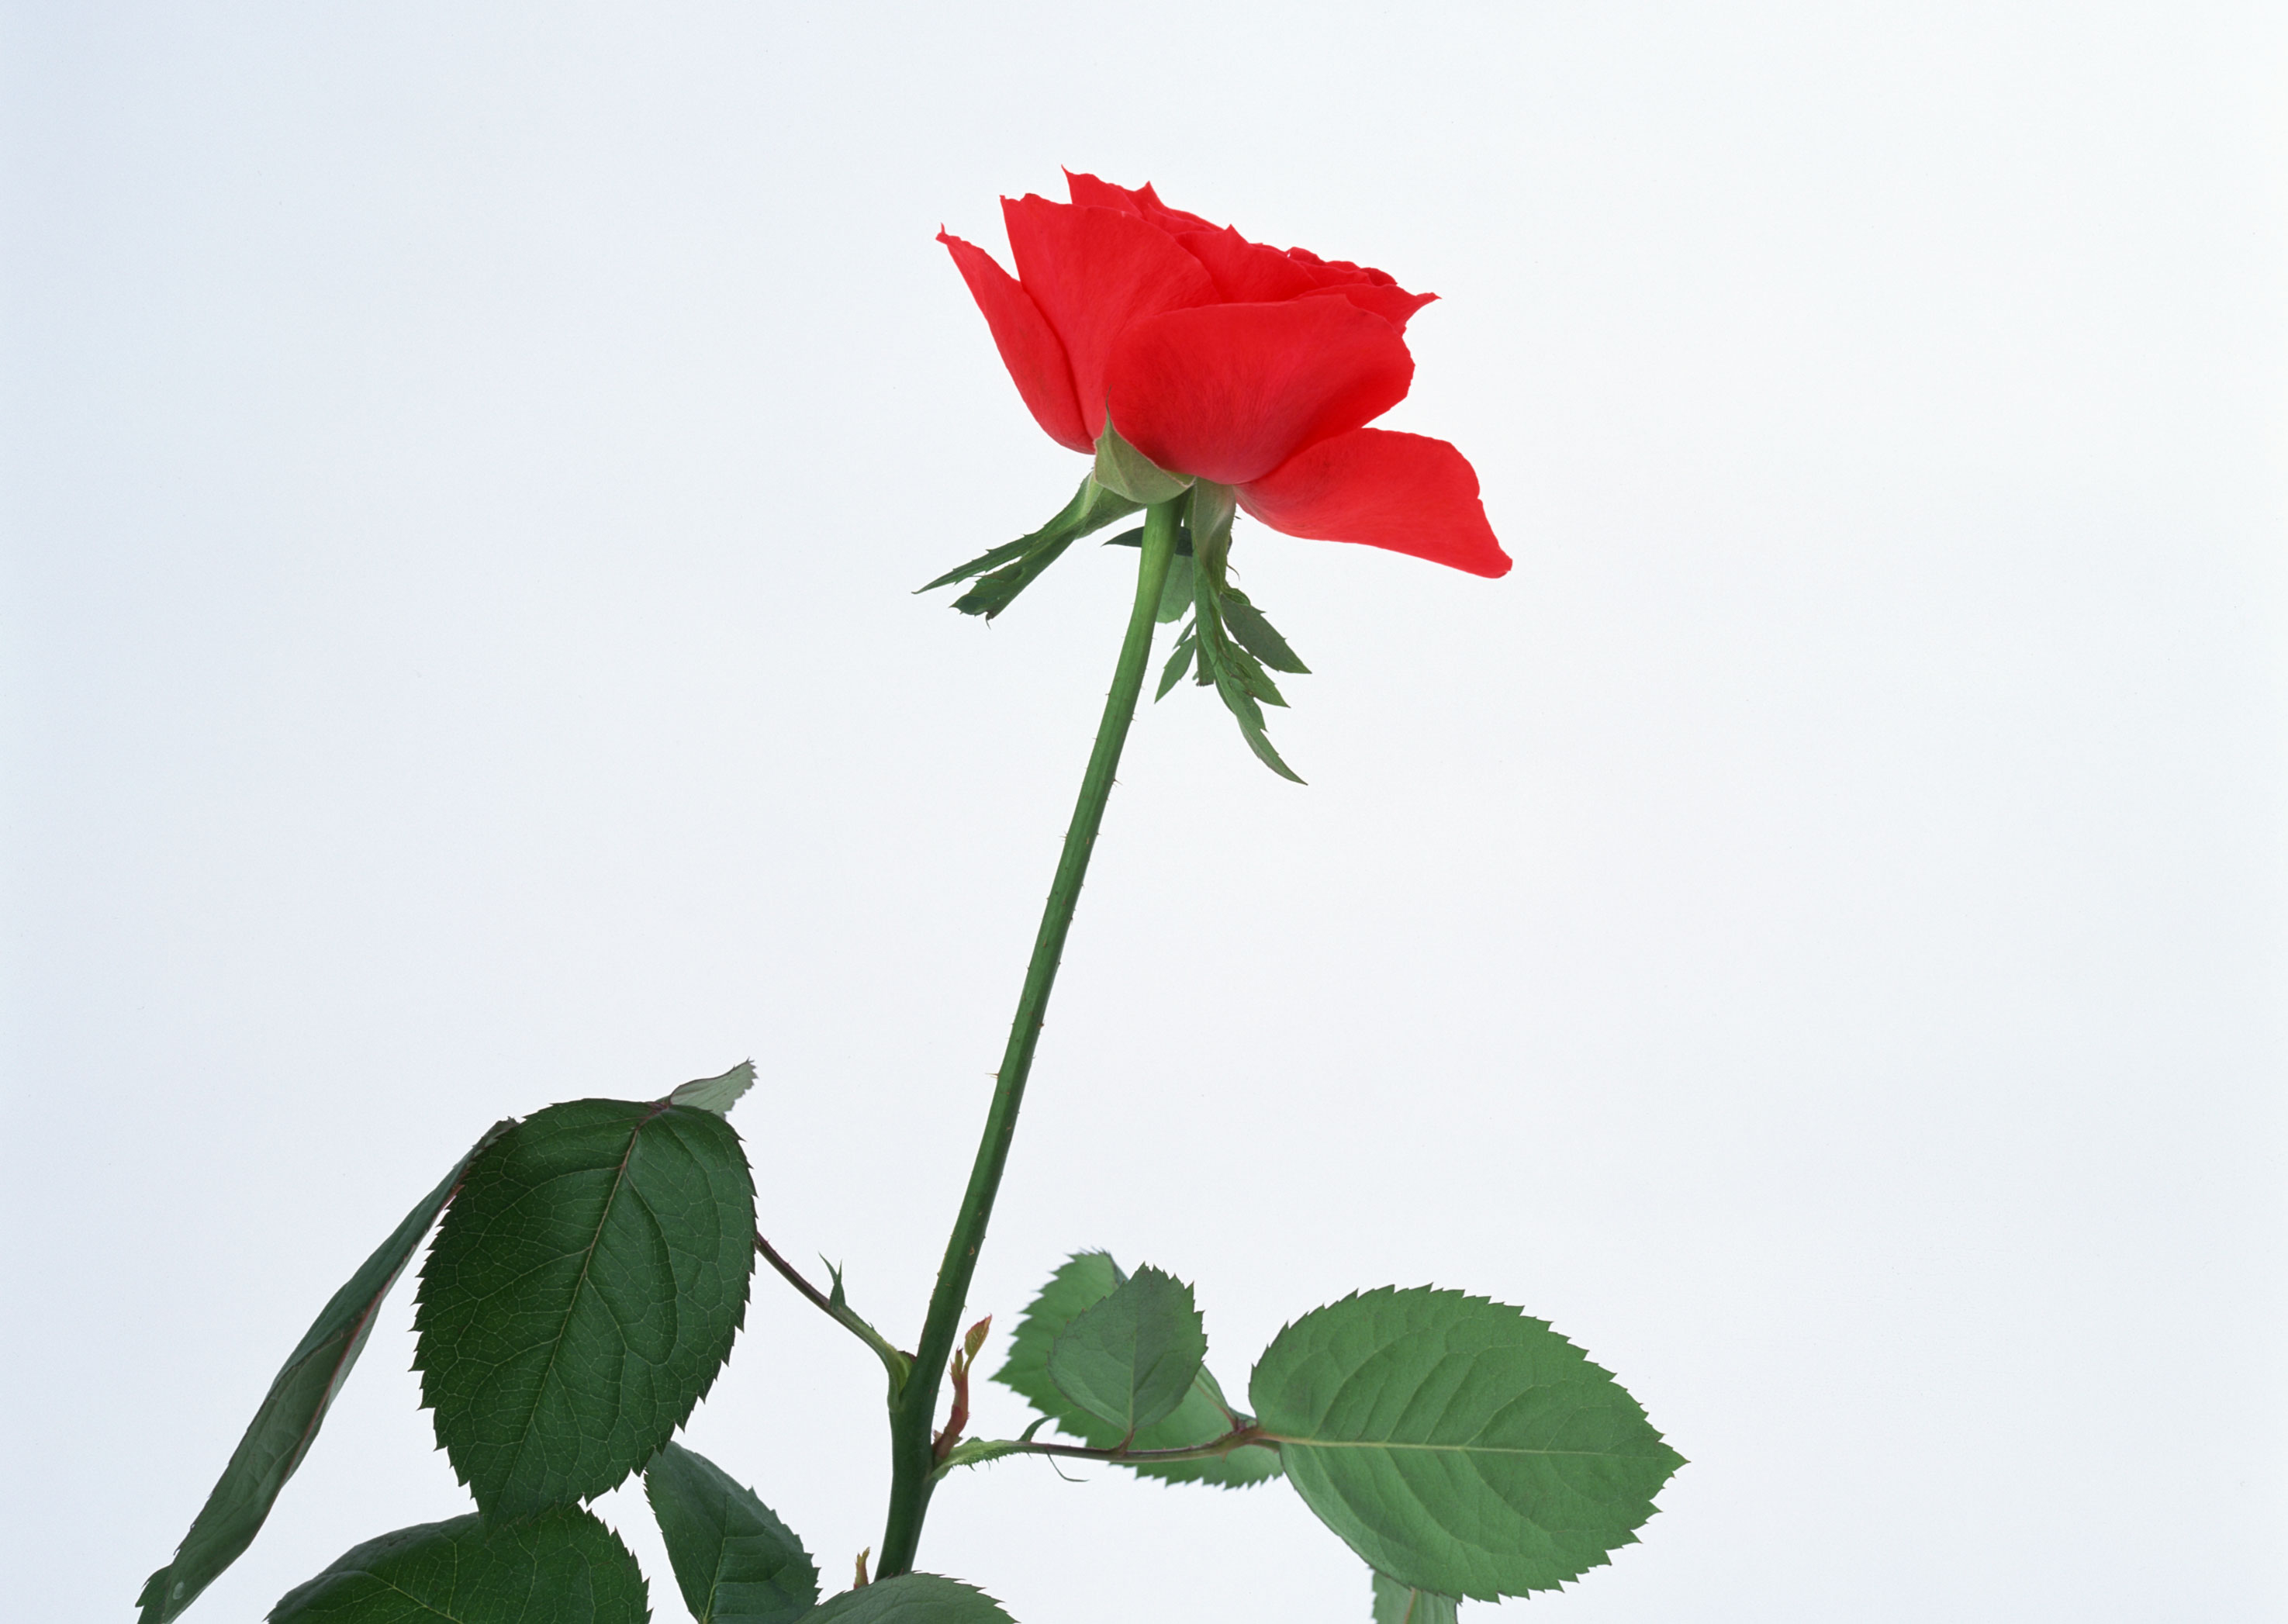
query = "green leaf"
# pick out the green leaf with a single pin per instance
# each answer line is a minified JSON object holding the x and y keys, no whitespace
{"x":582,"y":1296}
{"x":290,"y":1413}
{"x":1179,"y":660}
{"x":911,"y":1598}
{"x":734,"y":1562}
{"x":560,"y":1567}
{"x":1130,"y":1358}
{"x":1398,"y":1604}
{"x":1176,"y":591}
{"x":1086,"y":1280}
{"x":1456,"y":1445}
{"x":1257,"y":635}
{"x":716,"y":1094}
{"x":1091,"y":508}
{"x":1122,"y":469}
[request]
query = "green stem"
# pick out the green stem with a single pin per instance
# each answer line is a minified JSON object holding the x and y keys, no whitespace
{"x":912,"y":1461}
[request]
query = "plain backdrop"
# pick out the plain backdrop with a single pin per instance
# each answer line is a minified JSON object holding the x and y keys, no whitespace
{"x":1814,"y":931}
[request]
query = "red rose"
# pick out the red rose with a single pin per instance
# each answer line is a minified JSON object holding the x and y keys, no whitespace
{"x":1224,"y":360}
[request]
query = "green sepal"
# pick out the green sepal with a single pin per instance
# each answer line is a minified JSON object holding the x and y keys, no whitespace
{"x":1014,"y":565}
{"x":1086,"y":1279}
{"x":1237,"y":679}
{"x":1122,"y":468}
{"x":1130,"y":1358}
{"x":582,"y":1296}
{"x":1135,"y":538}
{"x":1398,"y":1604}
{"x":999,"y":589}
{"x":1230,"y":669}
{"x":1091,"y":508}
{"x":1176,"y":591}
{"x":911,"y":1598}
{"x":734,"y":1562}
{"x":1456,"y":1445}
{"x":1257,"y":635}
{"x":560,"y":1568}
{"x":287,"y":1421}
{"x":1179,"y":660}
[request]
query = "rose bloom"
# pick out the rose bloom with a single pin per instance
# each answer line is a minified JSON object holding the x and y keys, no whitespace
{"x":1227,"y":360}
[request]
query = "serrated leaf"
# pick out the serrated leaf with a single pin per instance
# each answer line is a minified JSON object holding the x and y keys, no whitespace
{"x":1091,"y":508}
{"x":1179,"y":660}
{"x":1130,"y":1359}
{"x":1257,"y":635}
{"x":1084,"y":1279}
{"x":1456,"y":1445}
{"x":1398,"y":1604}
{"x":734,"y":1562}
{"x":716,"y":1094}
{"x":911,"y":1599}
{"x":580,"y":1297}
{"x":560,"y":1567}
{"x":1122,"y":469}
{"x":292,"y":1412}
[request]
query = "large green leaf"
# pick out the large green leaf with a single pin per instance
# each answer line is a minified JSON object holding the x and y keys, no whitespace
{"x":560,"y":1567}
{"x":1398,"y":1604}
{"x":290,"y":1413}
{"x":582,"y":1296}
{"x":1130,"y":1358}
{"x":911,"y":1598}
{"x":734,"y":1562}
{"x":1084,"y":1279}
{"x":1456,"y":1445}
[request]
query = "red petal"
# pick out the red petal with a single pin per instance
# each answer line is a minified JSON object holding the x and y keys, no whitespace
{"x":1247,"y":272}
{"x":1094,"y":272}
{"x":1095,"y":193}
{"x":1393,"y":304}
{"x":1404,"y":492}
{"x":1028,"y":347}
{"x":1230,"y":391}
{"x":1143,"y":201}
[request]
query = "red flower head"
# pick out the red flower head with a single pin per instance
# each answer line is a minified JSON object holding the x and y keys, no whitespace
{"x":1225,"y":360}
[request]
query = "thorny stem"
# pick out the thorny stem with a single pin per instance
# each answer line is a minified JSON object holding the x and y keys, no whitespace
{"x":913,"y":1463}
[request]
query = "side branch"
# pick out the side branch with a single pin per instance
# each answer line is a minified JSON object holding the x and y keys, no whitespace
{"x":834,"y":1307}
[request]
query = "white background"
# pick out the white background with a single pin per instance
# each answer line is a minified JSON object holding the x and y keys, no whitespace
{"x":1813,"y":931}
